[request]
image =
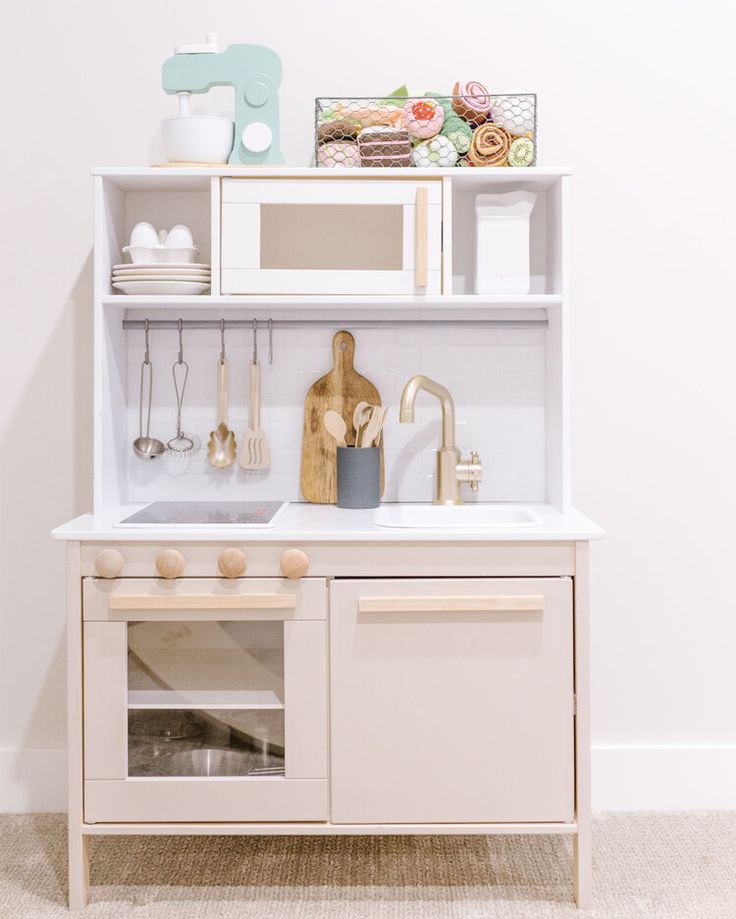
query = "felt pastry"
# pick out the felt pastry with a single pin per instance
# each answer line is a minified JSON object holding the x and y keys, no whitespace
{"x":439,"y":151}
{"x":515,"y":113}
{"x":338,"y":153}
{"x":377,"y":112}
{"x":521,"y":151}
{"x":490,"y":145}
{"x":384,"y":146}
{"x":472,"y":102}
{"x":455,"y":128}
{"x":423,"y":117}
{"x":342,"y":129}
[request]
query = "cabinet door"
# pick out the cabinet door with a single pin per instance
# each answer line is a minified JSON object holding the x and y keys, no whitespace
{"x":205,"y":700}
{"x":337,"y":236}
{"x":451,"y":700}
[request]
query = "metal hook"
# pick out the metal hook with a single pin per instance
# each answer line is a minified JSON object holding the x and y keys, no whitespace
{"x":180,"y":359}
{"x":255,"y":341}
{"x":270,"y":341}
{"x":222,"y":341}
{"x":146,"y":359}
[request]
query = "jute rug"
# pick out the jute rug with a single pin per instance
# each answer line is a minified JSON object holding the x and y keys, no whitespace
{"x":678,"y":866}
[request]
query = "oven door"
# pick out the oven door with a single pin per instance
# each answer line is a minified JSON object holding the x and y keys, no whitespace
{"x":205,"y":700}
{"x":336,"y":236}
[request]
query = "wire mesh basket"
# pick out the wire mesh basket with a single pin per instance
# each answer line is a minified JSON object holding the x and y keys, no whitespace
{"x":475,"y":128}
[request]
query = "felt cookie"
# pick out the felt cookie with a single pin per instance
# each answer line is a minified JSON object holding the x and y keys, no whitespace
{"x":490,"y":145}
{"x":515,"y":113}
{"x":521,"y":151}
{"x":439,"y":151}
{"x":423,"y":117}
{"x":384,"y":146}
{"x":338,"y":153}
{"x":342,"y":129}
{"x":472,"y":102}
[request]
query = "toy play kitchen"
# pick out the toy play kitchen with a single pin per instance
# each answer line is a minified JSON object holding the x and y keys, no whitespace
{"x":332,"y":582}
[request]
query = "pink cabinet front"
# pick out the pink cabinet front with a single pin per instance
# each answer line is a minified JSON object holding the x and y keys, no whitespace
{"x":451,"y":700}
{"x":205,"y":700}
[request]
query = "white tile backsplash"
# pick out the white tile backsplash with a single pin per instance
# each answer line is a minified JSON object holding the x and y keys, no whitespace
{"x":496,"y":376}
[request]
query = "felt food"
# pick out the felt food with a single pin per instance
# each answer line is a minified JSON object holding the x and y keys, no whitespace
{"x":338,"y":153}
{"x":472,"y":102}
{"x":423,"y":117}
{"x":384,"y":146}
{"x":490,"y":145}
{"x":439,"y":151}
{"x":373,"y":113}
{"x":456,"y":129}
{"x":515,"y":113}
{"x":342,"y":129}
{"x":521,"y":151}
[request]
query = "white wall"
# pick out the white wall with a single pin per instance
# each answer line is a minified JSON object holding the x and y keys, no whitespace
{"x":636,"y":97}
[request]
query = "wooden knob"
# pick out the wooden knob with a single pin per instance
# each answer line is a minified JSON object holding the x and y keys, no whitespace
{"x":294,"y":563}
{"x":232,"y":563}
{"x":170,"y":563}
{"x":109,"y":563}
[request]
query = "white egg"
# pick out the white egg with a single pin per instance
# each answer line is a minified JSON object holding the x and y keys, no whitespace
{"x":144,"y":234}
{"x":179,"y":237}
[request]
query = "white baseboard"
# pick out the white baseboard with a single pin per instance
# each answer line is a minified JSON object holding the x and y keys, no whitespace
{"x":664,"y":777}
{"x":661,"y":777}
{"x":32,"y":781}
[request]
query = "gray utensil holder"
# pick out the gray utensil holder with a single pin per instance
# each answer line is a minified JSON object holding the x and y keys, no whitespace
{"x":358,"y":476}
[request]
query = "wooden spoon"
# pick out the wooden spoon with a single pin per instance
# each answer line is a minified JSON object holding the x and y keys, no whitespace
{"x":335,"y":424}
{"x":361,"y":416}
{"x":373,"y":428}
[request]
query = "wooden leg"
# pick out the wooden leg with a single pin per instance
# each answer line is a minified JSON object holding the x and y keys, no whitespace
{"x":78,"y":868}
{"x":78,"y":843}
{"x":583,"y":869}
{"x":582,"y":843}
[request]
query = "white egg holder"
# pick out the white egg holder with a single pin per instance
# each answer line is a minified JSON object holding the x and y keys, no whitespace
{"x":148,"y":245}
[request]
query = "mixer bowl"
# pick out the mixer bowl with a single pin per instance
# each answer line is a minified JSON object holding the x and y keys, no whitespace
{"x":197,"y":138}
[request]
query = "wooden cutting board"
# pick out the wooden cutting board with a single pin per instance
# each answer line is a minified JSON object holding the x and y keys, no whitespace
{"x":340,"y":390}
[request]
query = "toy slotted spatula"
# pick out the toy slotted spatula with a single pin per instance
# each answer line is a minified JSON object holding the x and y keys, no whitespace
{"x":255,"y":454}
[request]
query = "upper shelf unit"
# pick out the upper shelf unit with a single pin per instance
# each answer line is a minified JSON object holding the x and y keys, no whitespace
{"x":399,"y":241}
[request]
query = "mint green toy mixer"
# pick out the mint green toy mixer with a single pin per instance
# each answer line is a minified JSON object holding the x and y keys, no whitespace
{"x":254,"y":72}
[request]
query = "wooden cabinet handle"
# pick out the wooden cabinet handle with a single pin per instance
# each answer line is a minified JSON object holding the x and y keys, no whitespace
{"x":294,"y":563}
{"x":170,"y":563}
{"x":421,"y":237}
{"x":109,"y":563}
{"x":136,"y":602}
{"x":232,"y":563}
{"x":518,"y":604}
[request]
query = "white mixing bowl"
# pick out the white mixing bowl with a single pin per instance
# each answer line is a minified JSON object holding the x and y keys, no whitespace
{"x":197,"y":139}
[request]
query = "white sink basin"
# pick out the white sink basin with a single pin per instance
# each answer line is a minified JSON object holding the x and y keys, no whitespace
{"x":462,"y":517}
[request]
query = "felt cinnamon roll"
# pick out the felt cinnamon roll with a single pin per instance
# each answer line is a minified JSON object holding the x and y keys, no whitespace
{"x":489,"y":146}
{"x":472,"y":102}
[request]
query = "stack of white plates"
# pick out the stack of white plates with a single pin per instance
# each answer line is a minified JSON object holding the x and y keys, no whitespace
{"x":179,"y":278}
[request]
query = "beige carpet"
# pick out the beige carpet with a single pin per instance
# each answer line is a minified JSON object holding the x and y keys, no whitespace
{"x":679,"y":866}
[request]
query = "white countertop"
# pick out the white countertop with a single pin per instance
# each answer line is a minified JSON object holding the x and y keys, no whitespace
{"x":327,"y":523}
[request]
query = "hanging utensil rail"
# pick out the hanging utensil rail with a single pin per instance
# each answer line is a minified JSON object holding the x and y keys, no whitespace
{"x":131,"y":324}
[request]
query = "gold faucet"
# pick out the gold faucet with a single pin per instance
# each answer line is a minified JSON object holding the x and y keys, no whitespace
{"x":451,"y":469}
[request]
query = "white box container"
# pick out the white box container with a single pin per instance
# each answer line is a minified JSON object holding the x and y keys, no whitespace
{"x":502,"y":242}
